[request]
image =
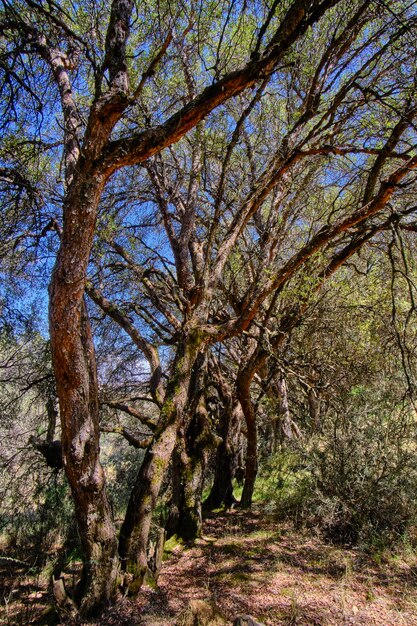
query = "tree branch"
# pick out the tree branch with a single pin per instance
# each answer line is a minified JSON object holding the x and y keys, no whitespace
{"x":130,"y":410}
{"x":148,"y":350}
{"x":123,"y":152}
{"x":132,"y":439}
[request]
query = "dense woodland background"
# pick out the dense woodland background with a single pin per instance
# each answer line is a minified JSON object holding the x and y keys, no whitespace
{"x":221,"y":197}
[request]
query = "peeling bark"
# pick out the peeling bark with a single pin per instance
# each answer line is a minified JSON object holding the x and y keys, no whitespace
{"x":75,"y":371}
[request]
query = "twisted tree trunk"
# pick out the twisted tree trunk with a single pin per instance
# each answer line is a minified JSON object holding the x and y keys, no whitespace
{"x":190,"y":462}
{"x":136,"y":526}
{"x":76,"y":379}
{"x":221,"y":493}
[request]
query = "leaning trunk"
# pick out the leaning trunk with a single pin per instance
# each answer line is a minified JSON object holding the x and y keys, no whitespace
{"x":76,"y":379}
{"x":136,"y":526}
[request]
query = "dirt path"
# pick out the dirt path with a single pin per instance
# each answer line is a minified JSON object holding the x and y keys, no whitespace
{"x":247,"y":564}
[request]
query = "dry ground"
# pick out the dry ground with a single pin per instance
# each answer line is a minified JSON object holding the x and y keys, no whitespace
{"x":247,"y":564}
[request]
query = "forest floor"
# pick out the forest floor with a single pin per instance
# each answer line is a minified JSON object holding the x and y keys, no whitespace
{"x":248,"y":564}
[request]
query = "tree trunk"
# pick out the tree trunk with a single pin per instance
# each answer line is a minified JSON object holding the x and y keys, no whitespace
{"x":221,"y":493}
{"x":190,"y":462}
{"x":284,"y":425}
{"x":176,"y":503}
{"x":251,"y":469}
{"x":185,"y":517}
{"x":80,"y":445}
{"x":191,"y":519}
{"x":75,"y":372}
{"x":136,"y":526}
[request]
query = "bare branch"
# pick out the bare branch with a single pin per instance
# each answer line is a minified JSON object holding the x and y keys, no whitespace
{"x":130,"y":410}
{"x":130,"y":437}
{"x":148,"y":350}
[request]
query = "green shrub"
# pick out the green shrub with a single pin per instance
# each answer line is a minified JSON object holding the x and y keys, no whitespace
{"x":356,"y":481}
{"x":43,"y":524}
{"x":364,"y":477}
{"x":284,"y":484}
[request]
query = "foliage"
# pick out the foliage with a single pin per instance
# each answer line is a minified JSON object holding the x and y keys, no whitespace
{"x":355,"y":481}
{"x":363,"y":473}
{"x":284,"y":485}
{"x":121,"y":463}
{"x":352,"y":473}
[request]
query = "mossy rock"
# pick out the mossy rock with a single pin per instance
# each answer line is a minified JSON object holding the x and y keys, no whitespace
{"x":173,"y":545}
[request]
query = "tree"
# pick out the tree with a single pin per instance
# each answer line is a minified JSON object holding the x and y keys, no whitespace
{"x":89,"y":61}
